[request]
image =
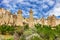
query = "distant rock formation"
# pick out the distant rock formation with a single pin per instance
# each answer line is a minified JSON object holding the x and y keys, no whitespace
{"x":12,"y":19}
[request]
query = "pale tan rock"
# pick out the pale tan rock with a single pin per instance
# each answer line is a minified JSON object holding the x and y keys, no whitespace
{"x":51,"y":20}
{"x":6,"y":17}
{"x":12,"y":19}
{"x":31,"y":19}
{"x":20,"y":18}
{"x":42,"y":21}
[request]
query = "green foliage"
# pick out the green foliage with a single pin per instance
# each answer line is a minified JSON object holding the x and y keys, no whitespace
{"x":28,"y":32}
{"x":6,"y":29}
{"x":38,"y":25}
{"x":26,"y":26}
{"x":10,"y":39}
{"x":35,"y":38}
{"x":22,"y":37}
{"x":58,"y":30}
{"x":19,"y":29}
{"x":44,"y":31}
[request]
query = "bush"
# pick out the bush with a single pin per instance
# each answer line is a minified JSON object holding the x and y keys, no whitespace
{"x":26,"y":26}
{"x":46,"y":32}
{"x":28,"y":32}
{"x":10,"y":39}
{"x":35,"y":38}
{"x":6,"y":29}
{"x":38,"y":25}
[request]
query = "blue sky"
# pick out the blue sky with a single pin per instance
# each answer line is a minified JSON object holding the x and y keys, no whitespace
{"x":40,"y":7}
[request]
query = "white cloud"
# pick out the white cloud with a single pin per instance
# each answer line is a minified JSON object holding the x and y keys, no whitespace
{"x":46,"y":0}
{"x":56,"y":11}
{"x":14,"y":6}
{"x":25,"y":13}
{"x":36,"y":11}
{"x":45,"y":6}
{"x":5,"y":1}
{"x":15,"y":1}
{"x":51,"y":3}
{"x":19,"y":1}
{"x":35,"y":16}
{"x":25,"y":3}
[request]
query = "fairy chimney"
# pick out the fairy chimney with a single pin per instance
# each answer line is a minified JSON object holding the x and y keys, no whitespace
{"x":51,"y":20}
{"x":19,"y":18}
{"x":7,"y":17}
{"x":31,"y":23}
{"x":14,"y":19}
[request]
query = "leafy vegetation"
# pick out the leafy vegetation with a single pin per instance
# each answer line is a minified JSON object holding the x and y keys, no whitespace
{"x":6,"y":29}
{"x":43,"y":32}
{"x":35,"y":38}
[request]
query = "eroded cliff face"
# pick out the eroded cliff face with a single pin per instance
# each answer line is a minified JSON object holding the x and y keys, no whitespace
{"x":12,"y":19}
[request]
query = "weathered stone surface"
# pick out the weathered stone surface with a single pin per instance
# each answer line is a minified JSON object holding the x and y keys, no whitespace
{"x":12,"y":19}
{"x":19,"y":20}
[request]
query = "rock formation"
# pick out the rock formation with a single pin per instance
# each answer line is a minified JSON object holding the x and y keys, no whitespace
{"x":19,"y":18}
{"x":12,"y":19}
{"x":51,"y":20}
{"x":31,"y":20}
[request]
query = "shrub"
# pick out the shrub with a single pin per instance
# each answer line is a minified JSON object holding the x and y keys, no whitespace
{"x":35,"y":38}
{"x":6,"y":29}
{"x":37,"y":25}
{"x":26,"y":26}
{"x":28,"y":32}
{"x":10,"y":39}
{"x":46,"y":32}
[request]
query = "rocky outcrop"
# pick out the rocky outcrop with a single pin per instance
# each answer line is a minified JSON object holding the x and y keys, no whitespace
{"x":12,"y":19}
